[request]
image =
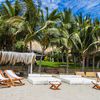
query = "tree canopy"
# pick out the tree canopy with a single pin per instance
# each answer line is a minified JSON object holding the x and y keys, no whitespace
{"x":24,"y":22}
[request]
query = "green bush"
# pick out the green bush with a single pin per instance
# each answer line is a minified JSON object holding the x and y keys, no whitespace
{"x":20,"y":46}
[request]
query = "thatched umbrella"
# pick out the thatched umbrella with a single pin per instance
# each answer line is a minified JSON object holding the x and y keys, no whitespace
{"x":16,"y":57}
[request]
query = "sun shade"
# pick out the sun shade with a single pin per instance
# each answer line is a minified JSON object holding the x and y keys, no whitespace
{"x":16,"y":57}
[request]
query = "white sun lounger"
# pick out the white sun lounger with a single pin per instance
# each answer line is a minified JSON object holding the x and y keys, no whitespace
{"x":43,"y":79}
{"x":2,"y":78}
{"x":75,"y":79}
{"x":39,"y":75}
{"x":69,"y":76}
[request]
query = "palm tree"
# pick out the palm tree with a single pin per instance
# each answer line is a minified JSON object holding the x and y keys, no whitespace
{"x":87,"y":36}
{"x":69,"y":35}
{"x":46,"y":31}
{"x":32,"y":17}
{"x":28,"y":22}
{"x":9,"y":10}
{"x":7,"y":38}
{"x":44,"y":38}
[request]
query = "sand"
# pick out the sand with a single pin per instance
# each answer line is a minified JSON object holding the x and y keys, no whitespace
{"x":42,"y":92}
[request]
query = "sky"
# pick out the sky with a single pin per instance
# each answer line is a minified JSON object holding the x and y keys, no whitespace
{"x":87,"y":7}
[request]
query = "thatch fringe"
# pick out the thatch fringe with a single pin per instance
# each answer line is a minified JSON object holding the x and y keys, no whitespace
{"x":16,"y":57}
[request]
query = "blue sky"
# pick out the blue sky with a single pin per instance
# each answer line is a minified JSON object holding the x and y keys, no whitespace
{"x":91,"y":7}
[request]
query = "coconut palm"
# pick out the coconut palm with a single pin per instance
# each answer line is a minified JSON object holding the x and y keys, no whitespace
{"x":50,"y":28}
{"x":87,"y":36}
{"x":41,"y":35}
{"x":7,"y":39}
{"x":44,"y":38}
{"x":69,"y":35}
{"x":7,"y":30}
{"x":9,"y":10}
{"x":28,"y":22}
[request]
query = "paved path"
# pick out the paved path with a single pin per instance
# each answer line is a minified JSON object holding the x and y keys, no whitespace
{"x":42,"y":92}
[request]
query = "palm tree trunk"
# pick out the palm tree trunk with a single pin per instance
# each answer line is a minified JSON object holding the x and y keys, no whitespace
{"x":50,"y":57}
{"x":52,"y":54}
{"x":57,"y":59}
{"x":74,"y":60}
{"x":98,"y":64}
{"x":40,"y":63}
{"x":62,"y":57}
{"x":93,"y":61}
{"x":83,"y":63}
{"x":67,"y":61}
{"x":87,"y":62}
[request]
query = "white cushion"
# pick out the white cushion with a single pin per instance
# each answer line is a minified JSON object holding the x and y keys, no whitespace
{"x":88,"y":81}
{"x":42,"y":80}
{"x":70,"y":76}
{"x":77,"y":80}
{"x":37,"y":80}
{"x":74,"y":81}
{"x":13,"y":75}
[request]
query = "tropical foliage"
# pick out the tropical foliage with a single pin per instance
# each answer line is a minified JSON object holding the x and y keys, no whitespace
{"x":24,"y":22}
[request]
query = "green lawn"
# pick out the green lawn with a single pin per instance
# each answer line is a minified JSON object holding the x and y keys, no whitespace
{"x":56,"y":64}
{"x":62,"y":65}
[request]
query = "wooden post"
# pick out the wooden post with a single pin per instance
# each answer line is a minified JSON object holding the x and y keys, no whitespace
{"x":31,"y":68}
{"x":28,"y":69}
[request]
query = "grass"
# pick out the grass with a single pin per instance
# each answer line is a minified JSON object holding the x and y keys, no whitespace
{"x":63,"y":65}
{"x":56,"y":64}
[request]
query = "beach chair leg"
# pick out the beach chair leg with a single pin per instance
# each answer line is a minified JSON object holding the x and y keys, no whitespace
{"x":51,"y":86}
{"x":18,"y":83}
{"x":96,"y":86}
{"x":21,"y":82}
{"x":58,"y":86}
{"x":55,"y":86}
{"x":5,"y":84}
{"x":12,"y":83}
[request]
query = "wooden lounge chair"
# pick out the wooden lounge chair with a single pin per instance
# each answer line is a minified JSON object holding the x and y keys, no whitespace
{"x":98,"y":76}
{"x":90,"y":74}
{"x":3,"y":80}
{"x":96,"y":85}
{"x":80,"y":73}
{"x":15,"y":80}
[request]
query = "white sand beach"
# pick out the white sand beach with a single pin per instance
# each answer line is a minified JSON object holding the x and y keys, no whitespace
{"x":42,"y":92}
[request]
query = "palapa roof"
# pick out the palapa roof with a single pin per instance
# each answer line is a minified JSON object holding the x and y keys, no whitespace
{"x":16,"y":57}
